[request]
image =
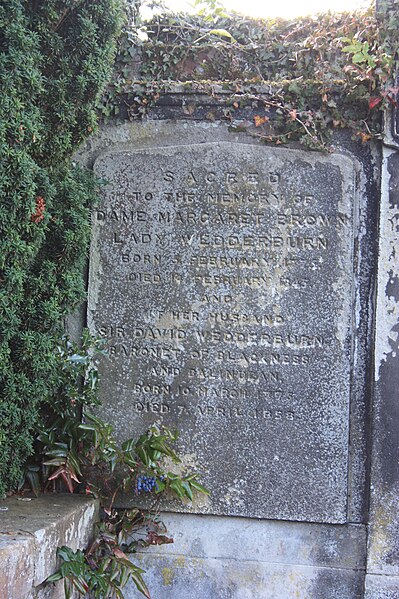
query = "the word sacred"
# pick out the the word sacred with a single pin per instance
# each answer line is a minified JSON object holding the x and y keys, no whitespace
{"x":221,"y":279}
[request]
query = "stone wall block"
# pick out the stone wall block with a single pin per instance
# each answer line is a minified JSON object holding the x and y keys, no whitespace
{"x":30,"y":532}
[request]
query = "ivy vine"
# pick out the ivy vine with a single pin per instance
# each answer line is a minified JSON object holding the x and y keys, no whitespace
{"x":302,"y":78}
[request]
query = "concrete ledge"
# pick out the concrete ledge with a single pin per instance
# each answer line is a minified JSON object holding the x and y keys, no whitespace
{"x":179,"y":577}
{"x":270,"y":541}
{"x":216,"y":557}
{"x":31,"y":531}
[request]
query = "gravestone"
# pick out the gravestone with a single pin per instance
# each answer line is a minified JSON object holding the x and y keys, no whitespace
{"x":221,"y":276}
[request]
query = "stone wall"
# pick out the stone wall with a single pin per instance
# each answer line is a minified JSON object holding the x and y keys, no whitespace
{"x":382,"y":581}
{"x":31,"y":530}
{"x":137,"y":290}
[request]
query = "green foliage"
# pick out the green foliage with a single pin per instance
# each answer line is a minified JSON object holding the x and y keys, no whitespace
{"x":58,"y":437}
{"x":104,"y":568}
{"x":304,"y":77}
{"x":68,"y":449}
{"x":55,"y":58}
{"x":84,"y":456}
{"x":103,"y":580}
{"x":210,"y":10}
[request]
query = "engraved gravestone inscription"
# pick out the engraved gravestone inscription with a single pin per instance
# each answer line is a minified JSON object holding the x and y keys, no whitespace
{"x":221,"y":279}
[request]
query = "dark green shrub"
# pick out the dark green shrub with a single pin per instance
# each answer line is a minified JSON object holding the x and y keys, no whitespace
{"x":55,"y":58}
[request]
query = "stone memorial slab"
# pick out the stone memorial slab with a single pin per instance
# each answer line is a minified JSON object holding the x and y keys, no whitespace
{"x":221,"y":277}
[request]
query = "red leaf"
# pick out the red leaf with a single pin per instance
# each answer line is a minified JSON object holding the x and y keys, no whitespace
{"x":155,"y":539}
{"x":68,"y":481}
{"x":72,"y":475}
{"x":66,"y":476}
{"x":57,"y":473}
{"x":374,"y":101}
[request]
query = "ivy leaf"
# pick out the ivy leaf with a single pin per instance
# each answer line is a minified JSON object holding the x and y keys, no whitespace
{"x":260,"y":120}
{"x":374,"y":101}
{"x":352,"y":48}
{"x":358,"y":58}
{"x":222,"y":33}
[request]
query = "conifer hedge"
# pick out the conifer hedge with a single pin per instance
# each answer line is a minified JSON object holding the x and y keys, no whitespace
{"x":55,"y":58}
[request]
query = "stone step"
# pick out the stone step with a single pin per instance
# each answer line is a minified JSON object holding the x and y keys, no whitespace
{"x":30,"y":532}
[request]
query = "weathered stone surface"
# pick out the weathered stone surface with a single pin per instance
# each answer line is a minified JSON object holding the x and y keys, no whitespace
{"x":17,"y":566}
{"x":221,"y":276}
{"x":382,"y":587}
{"x":179,"y":578}
{"x":30,"y":533}
{"x":51,"y":591}
{"x":235,"y":558}
{"x":383,"y":539}
{"x":272,"y":541}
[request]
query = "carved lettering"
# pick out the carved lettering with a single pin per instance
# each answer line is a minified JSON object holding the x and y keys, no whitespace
{"x":221,"y":281}
{"x":144,"y":277}
{"x":304,"y":220}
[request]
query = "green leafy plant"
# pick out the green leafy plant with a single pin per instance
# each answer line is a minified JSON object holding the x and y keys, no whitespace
{"x":361,"y":52}
{"x":55,"y":59}
{"x":83,"y":456}
{"x":104,"y":577}
{"x":58,"y":437}
{"x":211,"y":10}
{"x":104,"y":568}
{"x":304,"y":78}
